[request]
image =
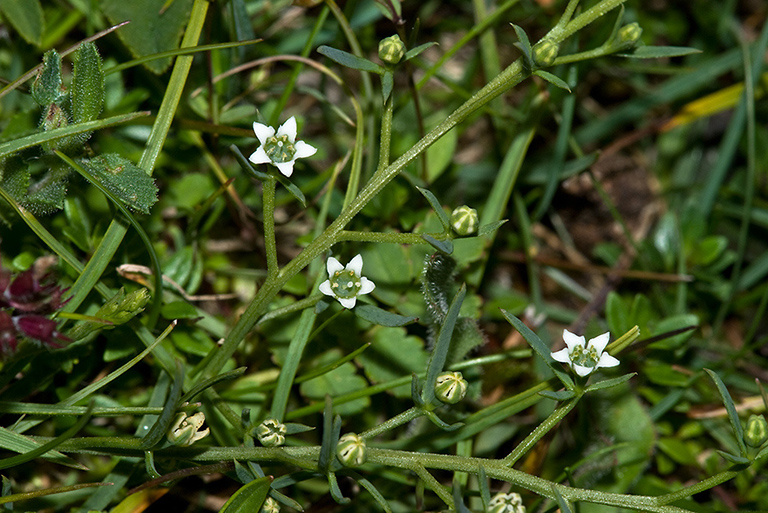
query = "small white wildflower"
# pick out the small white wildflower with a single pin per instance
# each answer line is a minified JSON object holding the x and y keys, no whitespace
{"x":186,"y":429}
{"x":280,"y":149}
{"x":506,"y":503}
{"x":346,"y":283}
{"x":585,"y":357}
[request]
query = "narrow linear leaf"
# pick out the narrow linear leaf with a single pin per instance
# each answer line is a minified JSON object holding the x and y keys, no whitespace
{"x":437,"y":207}
{"x":413,"y":52}
{"x":608,"y":383}
{"x":163,"y":422}
{"x":730,"y":407}
{"x":489,"y":228}
{"x":381,"y":317}
{"x":445,"y":246}
{"x":440,"y":351}
{"x":17,"y":442}
{"x":552,"y":79}
{"x":561,"y":395}
{"x":248,"y":498}
{"x":226,"y":376}
{"x":17,"y":497}
{"x":349,"y":60}
{"x":541,"y":349}
{"x":26,"y":16}
{"x":656,"y":52}
{"x":21,"y":143}
{"x":335,"y":490}
{"x":565,"y":506}
{"x":525,"y":43}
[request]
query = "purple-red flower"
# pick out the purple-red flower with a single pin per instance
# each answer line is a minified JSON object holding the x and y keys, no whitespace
{"x":25,"y":302}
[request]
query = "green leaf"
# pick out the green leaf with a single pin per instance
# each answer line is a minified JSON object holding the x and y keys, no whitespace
{"x":446,"y":246}
{"x":381,"y":317}
{"x":413,"y":52}
{"x":736,"y":460}
{"x":524,"y":44}
{"x":130,"y":184}
{"x":349,"y":60}
{"x":440,"y":351}
{"x":179,"y":310}
{"x":608,"y":383}
{"x":26,"y":16}
{"x":387,"y":84}
{"x":248,"y":498}
{"x":158,"y":430}
{"x":150,"y":31}
{"x":730,"y":407}
{"x":654,"y":52}
{"x":87,"y":84}
{"x":292,"y":188}
{"x":552,"y":79}
{"x":489,"y":228}
{"x":541,"y":349}
{"x":437,"y":207}
{"x":341,"y":380}
{"x":47,"y":87}
{"x":561,"y":395}
{"x":384,"y":360}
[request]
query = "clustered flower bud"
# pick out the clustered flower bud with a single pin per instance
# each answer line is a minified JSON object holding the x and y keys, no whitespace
{"x":756,"y":433}
{"x":450,"y":387}
{"x":271,"y":433}
{"x":464,"y":220}
{"x":545,"y":53}
{"x":630,"y":33}
{"x":506,"y":503}
{"x":26,"y":300}
{"x":351,"y":450}
{"x":270,"y":506}
{"x":185,"y":429}
{"x":391,"y":49}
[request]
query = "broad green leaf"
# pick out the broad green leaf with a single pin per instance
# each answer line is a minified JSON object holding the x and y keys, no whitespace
{"x":87,"y":84}
{"x":179,"y":310}
{"x":249,"y":498}
{"x":150,"y":31}
{"x":654,"y":52}
{"x":129,"y":183}
{"x":384,"y":360}
{"x":26,"y":16}
{"x":342,"y":380}
{"x":349,"y":60}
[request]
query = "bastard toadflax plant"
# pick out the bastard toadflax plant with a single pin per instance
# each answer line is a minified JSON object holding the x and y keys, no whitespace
{"x":376,"y":255}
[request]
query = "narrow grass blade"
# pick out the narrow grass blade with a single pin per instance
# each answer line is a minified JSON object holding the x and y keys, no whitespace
{"x":730,"y":407}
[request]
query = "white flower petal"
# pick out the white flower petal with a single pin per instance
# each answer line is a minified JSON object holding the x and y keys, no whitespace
{"x":286,"y":168}
{"x":607,"y":360}
{"x":583,"y":371}
{"x":288,"y":128}
{"x":333,"y":266}
{"x":263,"y":132}
{"x":572,"y":340}
{"x":326,"y":289}
{"x":348,"y":302}
{"x":600,"y":342}
{"x":260,"y":156}
{"x":366,"y":286}
{"x":561,"y":356}
{"x":356,"y":265}
{"x":304,"y":150}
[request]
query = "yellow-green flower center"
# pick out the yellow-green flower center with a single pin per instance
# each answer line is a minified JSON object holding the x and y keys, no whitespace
{"x":345,"y":284}
{"x":279,"y":149}
{"x":585,"y":357}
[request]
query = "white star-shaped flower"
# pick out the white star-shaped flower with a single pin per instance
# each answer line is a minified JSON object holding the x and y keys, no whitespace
{"x":280,"y":149}
{"x":346,"y":283}
{"x":585,"y":357}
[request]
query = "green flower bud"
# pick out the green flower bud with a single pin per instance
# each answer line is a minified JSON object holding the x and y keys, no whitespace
{"x":450,"y":387}
{"x":185,"y":430}
{"x":351,"y":450}
{"x":391,"y":49}
{"x":271,"y":433}
{"x":464,"y":220}
{"x":270,"y":506}
{"x":506,"y":503}
{"x":757,"y":431}
{"x":545,"y":53}
{"x":630,"y":33}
